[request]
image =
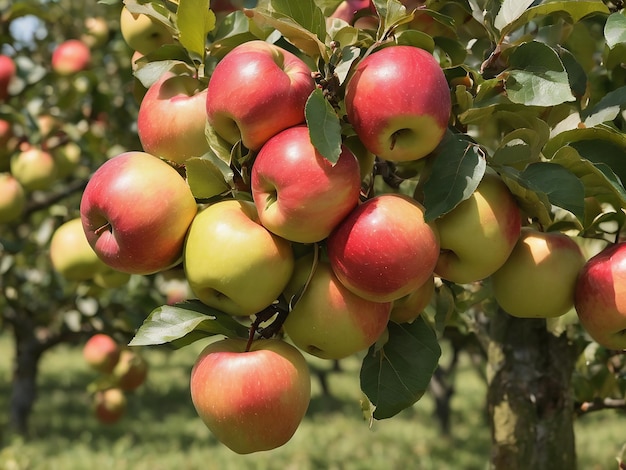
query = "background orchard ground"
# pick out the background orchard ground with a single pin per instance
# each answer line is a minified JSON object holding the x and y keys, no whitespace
{"x":161,"y":430}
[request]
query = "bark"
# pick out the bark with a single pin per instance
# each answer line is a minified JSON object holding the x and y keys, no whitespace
{"x":531,"y":408}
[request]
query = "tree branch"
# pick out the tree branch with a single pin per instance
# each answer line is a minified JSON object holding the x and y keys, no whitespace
{"x":601,"y":404}
{"x":71,"y":188}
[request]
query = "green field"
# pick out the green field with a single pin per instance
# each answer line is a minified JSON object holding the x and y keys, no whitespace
{"x":162,"y":432}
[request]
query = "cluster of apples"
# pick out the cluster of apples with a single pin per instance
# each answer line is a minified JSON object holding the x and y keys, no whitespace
{"x":122,"y":370}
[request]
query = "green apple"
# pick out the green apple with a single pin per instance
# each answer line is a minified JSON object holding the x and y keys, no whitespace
{"x":251,"y":400}
{"x":101,"y":352}
{"x":232,"y":262}
{"x":67,"y":158}
{"x":328,"y":320}
{"x":408,"y":308}
{"x":12,"y":198}
{"x":538,"y":279}
{"x":34,"y":168}
{"x":109,"y":405}
{"x":109,"y":278}
{"x":143,"y":33}
{"x":96,"y":31}
{"x":478,"y":235}
{"x":131,"y":370}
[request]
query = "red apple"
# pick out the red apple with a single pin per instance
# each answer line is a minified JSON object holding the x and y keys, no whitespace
{"x":109,"y":405}
{"x":131,"y":370}
{"x":251,"y":400}
{"x":299,"y":194}
{"x":347,"y":9}
{"x":101,"y":352}
{"x":600,"y":297}
{"x":257,"y":90}
{"x":70,"y":57}
{"x":398,"y":102}
{"x":328,"y":320}
{"x":12,"y":198}
{"x":7,"y":72}
{"x":136,"y":210}
{"x":172,"y":118}
{"x":383,"y":249}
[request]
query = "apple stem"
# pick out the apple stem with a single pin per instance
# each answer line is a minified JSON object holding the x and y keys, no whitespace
{"x":100,"y":230}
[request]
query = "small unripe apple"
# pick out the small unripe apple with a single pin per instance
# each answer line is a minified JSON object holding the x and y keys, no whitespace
{"x":101,"y":352}
{"x":34,"y":168}
{"x":131,"y":370}
{"x":109,"y":405}
{"x":12,"y":198}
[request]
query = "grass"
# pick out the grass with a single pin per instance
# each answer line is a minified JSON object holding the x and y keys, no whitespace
{"x":162,"y":432}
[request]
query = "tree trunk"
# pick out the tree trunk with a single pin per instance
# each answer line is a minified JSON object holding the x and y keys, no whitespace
{"x":530,"y":405}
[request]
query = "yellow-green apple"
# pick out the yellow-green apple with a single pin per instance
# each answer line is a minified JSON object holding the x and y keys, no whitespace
{"x":251,"y":400}
{"x":101,"y":352}
{"x":67,"y":158}
{"x":109,"y":278}
{"x":171,"y":118}
{"x":12,"y":198}
{"x":408,"y":308}
{"x":600,"y":298}
{"x":232,"y":262}
{"x":109,"y":405}
{"x":34,"y":168}
{"x":478,"y":235}
{"x":96,"y":31}
{"x":383,"y":249}
{"x":328,"y":320}
{"x":538,"y":279}
{"x":143,"y":33}
{"x":7,"y":72}
{"x":70,"y":57}
{"x":71,"y":254}
{"x":299,"y":194}
{"x":136,"y":210}
{"x":131,"y":370}
{"x":278,"y":84}
{"x":398,"y":102}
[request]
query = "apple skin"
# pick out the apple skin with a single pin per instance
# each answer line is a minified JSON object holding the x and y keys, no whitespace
{"x":96,"y":31}
{"x":538,"y":280}
{"x":398,"y":102}
{"x":277,"y":86}
{"x":136,"y":210}
{"x":251,"y":401}
{"x":408,"y":308}
{"x":171,"y":118}
{"x":383,"y":249}
{"x":299,"y":194}
{"x":131,"y":370}
{"x":7,"y":72}
{"x":479,"y":234}
{"x":70,"y":57}
{"x":71,"y":254}
{"x":109,"y":405}
{"x":142,"y":33}
{"x":34,"y":168}
{"x":232,"y":262}
{"x":12,"y":198}
{"x":329,"y":321}
{"x":347,"y":9}
{"x":101,"y":353}
{"x":600,"y":297}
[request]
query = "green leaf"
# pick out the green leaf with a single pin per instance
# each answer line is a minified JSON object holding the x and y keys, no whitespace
{"x":304,"y":12}
{"x":207,"y":177}
{"x":458,"y":167}
{"x":537,"y":76}
{"x":173,"y":323}
{"x":510,"y":10}
{"x":534,"y":203}
{"x":607,"y":109}
{"x":396,"y":375}
{"x":324,"y":126}
{"x":195,"y":21}
{"x":605,"y":152}
{"x":575,"y":72}
{"x":615,"y":29}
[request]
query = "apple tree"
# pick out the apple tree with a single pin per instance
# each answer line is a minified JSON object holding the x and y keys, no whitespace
{"x":66,"y":104}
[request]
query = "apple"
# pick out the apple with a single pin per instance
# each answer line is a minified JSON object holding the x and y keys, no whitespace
{"x":408,"y":308}
{"x":7,"y":144}
{"x":251,"y":400}
{"x":257,"y":90}
{"x":398,"y":102}
{"x":328,"y":320}
{"x":136,"y":210}
{"x":71,"y":254}
{"x":12,"y":198}
{"x":131,"y":370}
{"x":67,"y":158}
{"x":347,"y":9}
{"x":232,"y":262}
{"x":101,"y":352}
{"x":109,"y":405}
{"x":143,"y":33}
{"x":34,"y":168}
{"x":299,"y":194}
{"x":538,"y":279}
{"x":171,"y":118}
{"x":479,"y":234}
{"x":109,"y":278}
{"x":383,"y":249}
{"x":7,"y":73}
{"x":70,"y":57}
{"x":96,"y":31}
{"x":600,"y":297}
